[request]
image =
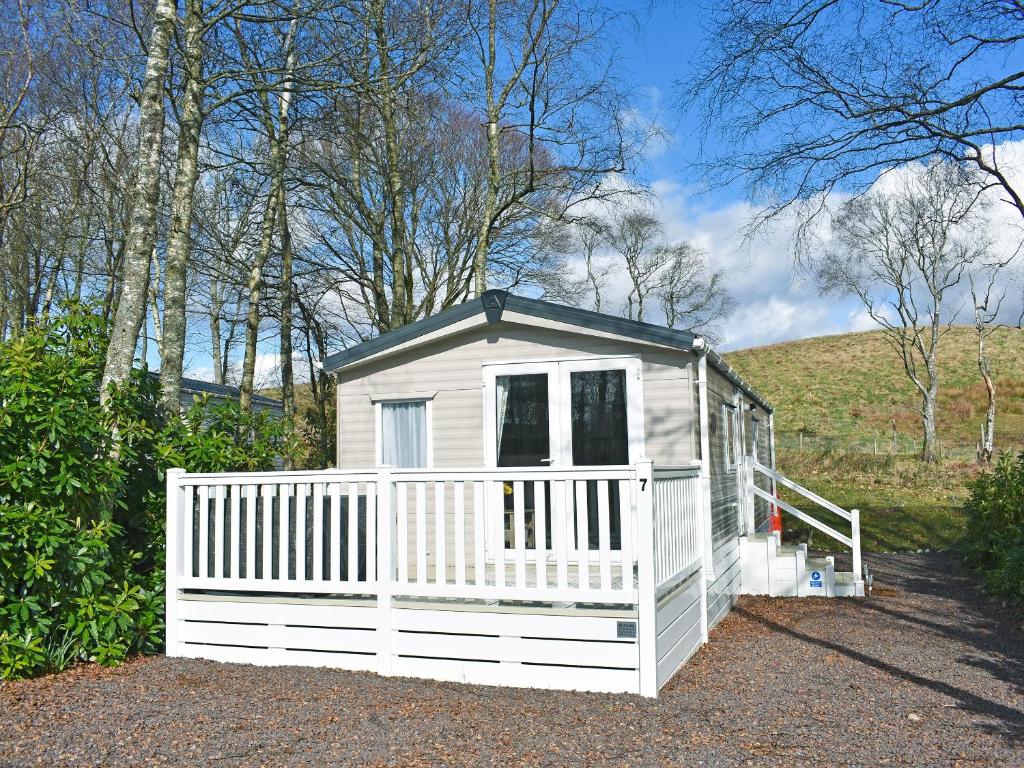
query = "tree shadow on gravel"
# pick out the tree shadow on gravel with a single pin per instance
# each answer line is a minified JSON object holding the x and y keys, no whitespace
{"x":1011,"y":721}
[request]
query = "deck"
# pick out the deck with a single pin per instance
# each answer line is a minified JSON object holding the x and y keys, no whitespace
{"x":579,"y":579}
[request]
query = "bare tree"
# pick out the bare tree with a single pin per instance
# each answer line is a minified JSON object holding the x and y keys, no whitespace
{"x":807,"y":97}
{"x":635,"y":236}
{"x":540,"y":69}
{"x":688,"y":295}
{"x":131,"y":306}
{"x":986,"y":301}
{"x":592,"y":233}
{"x":900,"y":251}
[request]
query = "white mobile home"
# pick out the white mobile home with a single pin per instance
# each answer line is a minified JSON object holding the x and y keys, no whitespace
{"x":527,"y":494}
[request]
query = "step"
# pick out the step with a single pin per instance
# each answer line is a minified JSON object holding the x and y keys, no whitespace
{"x":846,"y":585}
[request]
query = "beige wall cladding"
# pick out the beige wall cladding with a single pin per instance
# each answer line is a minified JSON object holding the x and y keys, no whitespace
{"x":452,"y":367}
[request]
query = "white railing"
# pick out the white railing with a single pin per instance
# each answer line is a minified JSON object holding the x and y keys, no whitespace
{"x":514,"y":534}
{"x":678,"y":525}
{"x":506,"y":534}
{"x":852,"y":516}
{"x":277,"y":532}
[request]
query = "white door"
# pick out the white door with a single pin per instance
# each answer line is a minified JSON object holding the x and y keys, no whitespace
{"x":561,"y":414}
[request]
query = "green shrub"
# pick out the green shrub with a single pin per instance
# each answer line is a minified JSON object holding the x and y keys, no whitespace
{"x":82,"y":495}
{"x":994,"y":540}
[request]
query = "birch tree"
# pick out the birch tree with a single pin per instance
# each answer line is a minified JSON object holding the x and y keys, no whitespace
{"x":131,"y":306}
{"x":903,"y":251}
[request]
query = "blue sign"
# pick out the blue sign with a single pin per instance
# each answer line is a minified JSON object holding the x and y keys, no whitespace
{"x":816,"y":579}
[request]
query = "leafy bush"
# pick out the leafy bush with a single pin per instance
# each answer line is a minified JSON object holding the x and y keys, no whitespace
{"x":82,"y":496}
{"x":994,"y":540}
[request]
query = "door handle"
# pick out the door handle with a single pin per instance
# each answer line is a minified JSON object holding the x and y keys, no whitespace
{"x":547,"y":461}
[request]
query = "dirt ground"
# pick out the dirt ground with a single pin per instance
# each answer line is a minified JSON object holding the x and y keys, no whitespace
{"x":925,"y":673}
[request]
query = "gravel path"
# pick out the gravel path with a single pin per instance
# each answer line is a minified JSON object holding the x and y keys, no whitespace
{"x":925,"y":673}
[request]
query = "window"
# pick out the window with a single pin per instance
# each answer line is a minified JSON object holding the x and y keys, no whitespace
{"x":598,"y":415}
{"x":729,"y":435}
{"x":756,"y":432}
{"x":404,"y":437}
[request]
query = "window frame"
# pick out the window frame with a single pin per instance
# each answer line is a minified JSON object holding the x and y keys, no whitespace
{"x":730,"y":432}
{"x":428,"y":416}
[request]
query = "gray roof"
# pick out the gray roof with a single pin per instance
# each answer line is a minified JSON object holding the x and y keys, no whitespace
{"x":199,"y":387}
{"x":493,"y":303}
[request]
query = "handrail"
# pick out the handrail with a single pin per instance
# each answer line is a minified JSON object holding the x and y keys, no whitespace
{"x":853,"y":516}
{"x":805,"y":517}
{"x":835,"y":509}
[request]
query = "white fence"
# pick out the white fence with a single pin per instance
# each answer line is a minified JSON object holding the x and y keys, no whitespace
{"x":613,"y":538}
{"x":678,"y":526}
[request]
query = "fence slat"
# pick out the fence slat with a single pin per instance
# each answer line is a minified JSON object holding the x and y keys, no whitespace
{"x":204,"y":531}
{"x":582,"y":536}
{"x":496,"y":513}
{"x":250,"y":531}
{"x":561,"y":500}
{"x":479,"y":563}
{"x":234,"y":541}
{"x":353,"y":532}
{"x":371,"y":532}
{"x":403,"y":532}
{"x":421,"y":532}
{"x":459,"y":499}
{"x":268,"y":531}
{"x":626,"y":535}
{"x":604,"y":538}
{"x":189,"y":533}
{"x":284,"y":541}
{"x":318,"y":532}
{"x":440,"y":556}
{"x":540,"y":531}
{"x":300,"y":532}
{"x":334,"y":544}
{"x":218,"y":532}
{"x":519,"y":532}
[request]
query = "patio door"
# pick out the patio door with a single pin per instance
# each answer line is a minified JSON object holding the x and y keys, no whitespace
{"x":561,"y":414}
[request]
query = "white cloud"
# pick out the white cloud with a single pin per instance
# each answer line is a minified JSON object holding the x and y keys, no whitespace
{"x":773,"y":303}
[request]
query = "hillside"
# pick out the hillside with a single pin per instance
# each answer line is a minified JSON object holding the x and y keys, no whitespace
{"x":853,"y":385}
{"x":844,"y":391}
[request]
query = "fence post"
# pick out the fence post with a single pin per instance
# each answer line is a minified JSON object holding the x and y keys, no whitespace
{"x":858,"y":568}
{"x":173,"y":546}
{"x":385,"y":568}
{"x":646,"y":603}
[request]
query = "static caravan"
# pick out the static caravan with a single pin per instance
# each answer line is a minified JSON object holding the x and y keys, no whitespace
{"x":527,"y":494}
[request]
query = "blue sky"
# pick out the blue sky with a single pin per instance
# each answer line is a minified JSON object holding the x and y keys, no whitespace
{"x":656,"y":48}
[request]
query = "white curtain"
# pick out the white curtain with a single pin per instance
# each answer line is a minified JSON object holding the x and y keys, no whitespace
{"x":404,"y":434}
{"x":501,"y":385}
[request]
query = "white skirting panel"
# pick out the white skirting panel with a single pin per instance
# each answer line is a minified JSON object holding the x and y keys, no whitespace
{"x":678,"y":625}
{"x":530,"y":650}
{"x":583,"y":653}
{"x":722,"y":592}
{"x":278,"y":634}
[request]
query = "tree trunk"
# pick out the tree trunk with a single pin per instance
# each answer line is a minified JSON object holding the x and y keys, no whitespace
{"x":255,"y":287}
{"x":287,"y":376}
{"x":483,"y":240}
{"x":929,"y":446}
{"x":216,"y":305}
{"x":131,"y":306}
{"x":179,"y":241}
{"x":988,"y":430}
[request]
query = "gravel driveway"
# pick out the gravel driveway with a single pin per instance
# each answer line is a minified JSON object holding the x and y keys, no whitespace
{"x":924,"y":673}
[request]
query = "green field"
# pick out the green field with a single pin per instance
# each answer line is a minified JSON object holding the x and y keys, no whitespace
{"x":843,"y":392}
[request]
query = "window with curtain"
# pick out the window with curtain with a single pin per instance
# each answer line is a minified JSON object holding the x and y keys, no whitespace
{"x":404,"y":434}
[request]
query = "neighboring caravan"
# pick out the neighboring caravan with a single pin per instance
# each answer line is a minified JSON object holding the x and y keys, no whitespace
{"x":528,"y":494}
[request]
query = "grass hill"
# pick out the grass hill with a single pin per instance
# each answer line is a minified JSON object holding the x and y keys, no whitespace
{"x":850,"y":388}
{"x":853,"y":386}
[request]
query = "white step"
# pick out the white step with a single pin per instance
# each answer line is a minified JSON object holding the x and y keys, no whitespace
{"x":785,"y":570}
